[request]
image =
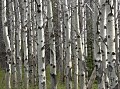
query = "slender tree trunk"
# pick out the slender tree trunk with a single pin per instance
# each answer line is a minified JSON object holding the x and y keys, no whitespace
{"x":103,"y":35}
{"x":113,"y":80}
{"x":68,"y":46}
{"x":52,"y":46}
{"x":117,"y":40}
{"x":40,"y":46}
{"x":30,"y":43}
{"x":97,"y":45}
{"x":12,"y":43}
{"x":119,"y":44}
{"x":7,"y":45}
{"x":17,"y":42}
{"x":74,"y":13}
{"x":33,"y":18}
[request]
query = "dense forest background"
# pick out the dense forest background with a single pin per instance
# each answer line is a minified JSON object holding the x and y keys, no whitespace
{"x":59,"y":44}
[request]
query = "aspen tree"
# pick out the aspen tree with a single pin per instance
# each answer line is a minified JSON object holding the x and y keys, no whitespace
{"x":97,"y":45}
{"x":73,"y":41}
{"x":30,"y":42}
{"x":113,"y":79}
{"x":33,"y":18}
{"x":68,"y":46}
{"x":7,"y":45}
{"x":12,"y":44}
{"x":56,"y":28}
{"x":119,"y":43}
{"x":24,"y":20}
{"x":103,"y":41}
{"x":83,"y":32}
{"x":17,"y":42}
{"x":60,"y":40}
{"x":40,"y":46}
{"x":80,"y":41}
{"x":46,"y":31}
{"x":116,"y":9}
{"x":24,"y":53}
{"x":64,"y":45}
{"x":24,"y":49}
{"x":52,"y":46}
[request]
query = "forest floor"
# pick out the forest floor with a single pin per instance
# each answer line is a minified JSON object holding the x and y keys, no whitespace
{"x":60,"y":85}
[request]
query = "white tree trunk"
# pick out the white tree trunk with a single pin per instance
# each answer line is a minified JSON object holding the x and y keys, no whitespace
{"x":68,"y":46}
{"x":116,"y":9}
{"x":40,"y":46}
{"x":103,"y":35}
{"x":12,"y":44}
{"x":97,"y":45}
{"x":52,"y":46}
{"x":30,"y":42}
{"x":74,"y":13}
{"x":7,"y":45}
{"x":113,"y":80}
{"x":80,"y":41}
{"x":33,"y":18}
{"x":25,"y":44}
{"x":17,"y":42}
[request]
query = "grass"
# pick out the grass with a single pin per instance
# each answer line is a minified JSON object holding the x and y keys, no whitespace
{"x":59,"y":85}
{"x":2,"y":79}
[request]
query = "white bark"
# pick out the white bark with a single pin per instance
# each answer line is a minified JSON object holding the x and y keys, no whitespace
{"x":103,"y":35}
{"x":80,"y":48}
{"x":113,"y":80}
{"x":12,"y":44}
{"x":97,"y":45}
{"x":33,"y":18}
{"x":116,"y":9}
{"x":17,"y":43}
{"x":40,"y":46}
{"x":61,"y":40}
{"x":7,"y":45}
{"x":119,"y":44}
{"x":68,"y":46}
{"x":25,"y":44}
{"x":30,"y":42}
{"x":73,"y":42}
{"x":52,"y":46}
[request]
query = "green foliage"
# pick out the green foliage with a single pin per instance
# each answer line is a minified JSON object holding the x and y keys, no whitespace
{"x":2,"y":79}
